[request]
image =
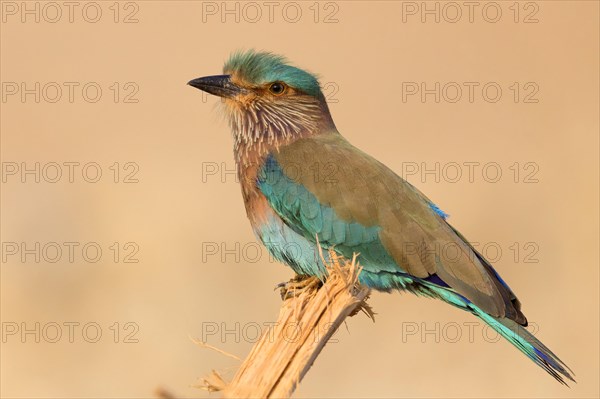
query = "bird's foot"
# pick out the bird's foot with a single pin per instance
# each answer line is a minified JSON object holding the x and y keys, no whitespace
{"x":297,"y":285}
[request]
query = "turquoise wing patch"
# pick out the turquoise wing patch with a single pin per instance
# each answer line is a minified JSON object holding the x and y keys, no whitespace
{"x":302,"y":212}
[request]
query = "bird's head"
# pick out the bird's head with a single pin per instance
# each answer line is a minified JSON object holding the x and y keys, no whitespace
{"x":268,"y":101}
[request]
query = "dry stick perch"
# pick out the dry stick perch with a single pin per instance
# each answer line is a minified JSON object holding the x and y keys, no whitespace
{"x":287,"y":350}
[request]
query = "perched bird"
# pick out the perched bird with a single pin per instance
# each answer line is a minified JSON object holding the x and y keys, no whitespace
{"x":305,"y":185}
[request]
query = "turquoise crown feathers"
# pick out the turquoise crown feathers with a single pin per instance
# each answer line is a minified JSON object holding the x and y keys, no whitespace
{"x":260,"y":67}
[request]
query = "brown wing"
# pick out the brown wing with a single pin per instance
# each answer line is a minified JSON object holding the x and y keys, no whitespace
{"x":361,"y":189}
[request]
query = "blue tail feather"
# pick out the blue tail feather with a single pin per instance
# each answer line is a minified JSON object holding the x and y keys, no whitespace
{"x":529,"y":345}
{"x":512,"y":331}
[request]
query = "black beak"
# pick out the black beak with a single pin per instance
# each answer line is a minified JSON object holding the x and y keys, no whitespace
{"x":219,"y":85}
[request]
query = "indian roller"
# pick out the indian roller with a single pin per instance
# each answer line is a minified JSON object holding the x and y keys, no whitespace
{"x":304,"y":186}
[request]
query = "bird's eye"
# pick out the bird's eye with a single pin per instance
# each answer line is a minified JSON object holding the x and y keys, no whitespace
{"x":277,"y":88}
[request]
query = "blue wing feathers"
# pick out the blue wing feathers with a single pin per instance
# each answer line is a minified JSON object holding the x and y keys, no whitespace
{"x":437,"y":210}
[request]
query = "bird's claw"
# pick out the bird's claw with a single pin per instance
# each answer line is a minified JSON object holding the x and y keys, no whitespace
{"x":297,"y":285}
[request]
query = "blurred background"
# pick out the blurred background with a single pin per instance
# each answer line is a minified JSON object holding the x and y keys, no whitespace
{"x":123,"y":229}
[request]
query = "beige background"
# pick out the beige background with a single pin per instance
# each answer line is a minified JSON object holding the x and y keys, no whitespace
{"x":173,"y":132}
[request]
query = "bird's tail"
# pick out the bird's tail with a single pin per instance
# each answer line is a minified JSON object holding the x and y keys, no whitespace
{"x":528,"y":344}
